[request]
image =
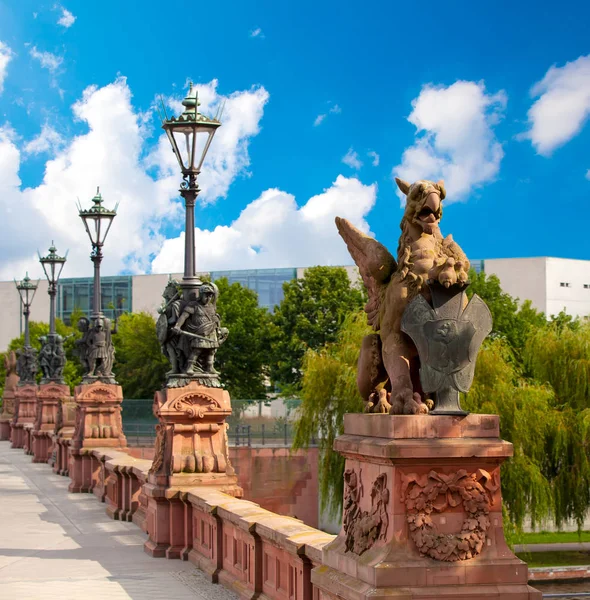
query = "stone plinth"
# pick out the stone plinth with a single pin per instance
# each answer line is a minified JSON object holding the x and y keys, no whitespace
{"x":191,"y":450}
{"x":7,"y":415}
{"x":25,"y":411}
{"x":49,"y":398}
{"x":422,"y":512}
{"x":98,"y":425}
{"x":62,"y":437}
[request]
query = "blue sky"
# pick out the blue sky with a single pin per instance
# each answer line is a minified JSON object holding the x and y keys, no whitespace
{"x":311,"y":82}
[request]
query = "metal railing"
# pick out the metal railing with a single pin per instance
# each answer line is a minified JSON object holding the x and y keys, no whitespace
{"x":279,"y":433}
{"x":140,"y":434}
{"x":263,"y":434}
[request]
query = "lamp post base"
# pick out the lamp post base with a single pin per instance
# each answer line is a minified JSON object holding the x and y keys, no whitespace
{"x":191,"y":450}
{"x":98,"y":425}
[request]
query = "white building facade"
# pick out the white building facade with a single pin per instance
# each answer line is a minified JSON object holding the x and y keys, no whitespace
{"x":551,"y":284}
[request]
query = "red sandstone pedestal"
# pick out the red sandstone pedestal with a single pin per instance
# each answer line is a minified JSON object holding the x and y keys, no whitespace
{"x":25,"y":411}
{"x":98,"y":425}
{"x":49,"y":397}
{"x":422,"y":513}
{"x":191,"y":450}
{"x":7,"y":415}
{"x":62,"y":438}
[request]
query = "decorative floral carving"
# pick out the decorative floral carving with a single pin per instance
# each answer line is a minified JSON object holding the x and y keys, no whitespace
{"x":195,"y":406}
{"x":364,"y":528}
{"x":435,"y":493}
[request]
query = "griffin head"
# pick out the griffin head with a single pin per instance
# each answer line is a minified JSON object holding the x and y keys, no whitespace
{"x":423,"y":203}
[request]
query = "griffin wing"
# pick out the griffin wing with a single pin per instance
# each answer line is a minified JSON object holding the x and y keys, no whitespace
{"x":375,"y":263}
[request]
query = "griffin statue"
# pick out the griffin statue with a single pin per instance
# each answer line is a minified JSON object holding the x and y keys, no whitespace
{"x":388,"y":369}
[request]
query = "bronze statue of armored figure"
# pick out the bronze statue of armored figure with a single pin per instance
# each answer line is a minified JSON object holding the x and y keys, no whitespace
{"x":427,"y":333}
{"x":96,"y":350}
{"x":190,"y":333}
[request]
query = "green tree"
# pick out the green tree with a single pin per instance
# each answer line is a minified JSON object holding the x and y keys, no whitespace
{"x":510,"y":321}
{"x":243,"y":357}
{"x":309,"y":317}
{"x":328,"y":392}
{"x":140,"y":367}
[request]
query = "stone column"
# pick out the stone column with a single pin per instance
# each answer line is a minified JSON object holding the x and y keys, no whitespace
{"x":422,"y":512}
{"x":49,"y":398}
{"x":98,"y":425}
{"x":24,"y":414}
{"x":191,"y":451}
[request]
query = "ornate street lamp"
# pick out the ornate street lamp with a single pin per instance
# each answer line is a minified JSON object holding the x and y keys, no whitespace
{"x":98,"y":221}
{"x":52,"y":358}
{"x":95,"y":348}
{"x":188,"y":327}
{"x":27,"y":364}
{"x":190,"y":135}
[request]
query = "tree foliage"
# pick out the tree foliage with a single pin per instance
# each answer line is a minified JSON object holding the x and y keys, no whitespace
{"x":309,"y":317}
{"x":140,"y":367}
{"x":328,"y":392}
{"x":243,"y":358}
{"x":510,"y":321}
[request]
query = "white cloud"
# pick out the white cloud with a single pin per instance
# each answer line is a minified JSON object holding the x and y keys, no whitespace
{"x":588,"y":174}
{"x":351,"y":158}
{"x":375,"y":157}
{"x":48,"y":61}
{"x":455,"y":137}
{"x":6,"y":55}
{"x":335,"y":110}
{"x":319,"y":119}
{"x":273,"y":231}
{"x":47,"y":140}
{"x":67,"y":18}
{"x":563,"y":105}
{"x":257,"y":33}
{"x":109,"y":154}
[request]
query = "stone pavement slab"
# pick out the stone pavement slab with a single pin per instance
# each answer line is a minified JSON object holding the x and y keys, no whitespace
{"x":59,"y":545}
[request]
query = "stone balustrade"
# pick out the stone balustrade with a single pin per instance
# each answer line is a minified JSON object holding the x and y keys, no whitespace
{"x":251,"y":550}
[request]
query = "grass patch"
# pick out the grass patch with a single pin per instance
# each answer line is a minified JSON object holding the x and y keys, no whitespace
{"x":552,"y":537}
{"x":555,"y":559}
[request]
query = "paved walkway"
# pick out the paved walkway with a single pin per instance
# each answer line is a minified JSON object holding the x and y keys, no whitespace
{"x":59,"y":545}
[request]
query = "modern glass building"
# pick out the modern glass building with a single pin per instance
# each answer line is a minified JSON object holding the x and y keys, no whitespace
{"x":267,"y":283}
{"x":77,"y":294}
{"x":477,"y":265}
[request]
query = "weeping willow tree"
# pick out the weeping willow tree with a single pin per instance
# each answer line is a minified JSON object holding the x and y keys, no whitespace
{"x":549,"y":475}
{"x":559,"y":356}
{"x":328,"y":392}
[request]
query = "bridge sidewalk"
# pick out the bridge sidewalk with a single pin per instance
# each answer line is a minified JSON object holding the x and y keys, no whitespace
{"x":59,"y":545}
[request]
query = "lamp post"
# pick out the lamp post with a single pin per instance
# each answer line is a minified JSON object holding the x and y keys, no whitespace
{"x":95,"y":348}
{"x":188,"y":327}
{"x":52,"y":358}
{"x":98,"y":221}
{"x":190,"y":135}
{"x":26,"y":364}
